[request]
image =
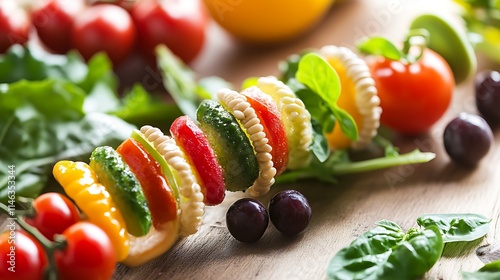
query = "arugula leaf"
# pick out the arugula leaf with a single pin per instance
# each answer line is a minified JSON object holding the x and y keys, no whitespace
{"x":34,"y":133}
{"x":457,"y":227}
{"x":386,"y":252}
{"x":490,"y":271}
{"x":318,"y":75}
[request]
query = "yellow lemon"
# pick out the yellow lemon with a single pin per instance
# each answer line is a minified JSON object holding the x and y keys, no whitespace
{"x":267,"y":21}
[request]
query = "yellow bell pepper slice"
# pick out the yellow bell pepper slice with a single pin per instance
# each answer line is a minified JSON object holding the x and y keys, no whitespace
{"x":80,"y":184}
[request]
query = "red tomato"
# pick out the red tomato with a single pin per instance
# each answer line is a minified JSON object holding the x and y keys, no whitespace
{"x":178,"y":24}
{"x":53,"y":22}
{"x":159,"y":195}
{"x":89,"y":253}
{"x":200,"y":154}
{"x":104,"y":28}
{"x":413,"y":96}
{"x":22,"y":257}
{"x":54,"y":214}
{"x":14,"y":24}
{"x":126,"y":4}
{"x":268,"y":113}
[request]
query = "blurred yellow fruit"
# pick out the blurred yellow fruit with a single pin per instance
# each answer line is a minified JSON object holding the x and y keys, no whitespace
{"x":267,"y":21}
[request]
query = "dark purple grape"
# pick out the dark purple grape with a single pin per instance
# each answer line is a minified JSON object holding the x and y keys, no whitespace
{"x":289,"y":212}
{"x":488,"y":95}
{"x":467,"y":139}
{"x":247,"y":220}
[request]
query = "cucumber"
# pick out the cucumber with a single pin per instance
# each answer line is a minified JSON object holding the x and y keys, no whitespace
{"x":231,"y":145}
{"x":125,"y":190}
{"x":453,"y":45}
{"x":167,"y":172}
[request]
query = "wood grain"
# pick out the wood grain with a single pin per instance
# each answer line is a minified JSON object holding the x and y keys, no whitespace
{"x":343,"y":211}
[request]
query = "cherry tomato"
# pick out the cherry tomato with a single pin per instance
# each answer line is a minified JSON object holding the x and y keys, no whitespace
{"x":178,"y":24}
{"x":14,"y":24}
{"x":126,"y":4}
{"x":22,"y":257}
{"x":54,"y":214}
{"x":89,"y":253}
{"x":104,"y":28}
{"x":53,"y":22}
{"x":413,"y":96}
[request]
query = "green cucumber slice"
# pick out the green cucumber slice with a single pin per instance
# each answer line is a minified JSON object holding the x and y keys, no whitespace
{"x":231,"y":145}
{"x":167,"y":172}
{"x":453,"y":45}
{"x":124,"y":189}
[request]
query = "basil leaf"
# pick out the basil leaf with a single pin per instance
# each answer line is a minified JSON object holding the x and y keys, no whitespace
{"x":315,"y":72}
{"x":457,"y":227}
{"x":380,"y":46}
{"x":319,"y":76}
{"x":346,"y":122}
{"x":490,"y":271}
{"x":386,"y":252}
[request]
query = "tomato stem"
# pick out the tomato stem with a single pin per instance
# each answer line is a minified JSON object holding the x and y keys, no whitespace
{"x":416,"y":39}
{"x":49,"y":246}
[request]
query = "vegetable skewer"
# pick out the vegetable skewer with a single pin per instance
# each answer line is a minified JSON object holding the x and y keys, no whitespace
{"x":238,"y":138}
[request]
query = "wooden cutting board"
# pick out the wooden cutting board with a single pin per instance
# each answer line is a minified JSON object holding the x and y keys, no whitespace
{"x":343,"y":211}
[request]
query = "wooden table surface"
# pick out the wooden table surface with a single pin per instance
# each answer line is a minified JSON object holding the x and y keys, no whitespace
{"x":343,"y":211}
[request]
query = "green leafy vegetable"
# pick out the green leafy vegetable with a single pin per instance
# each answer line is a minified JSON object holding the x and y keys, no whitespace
{"x":340,"y":164}
{"x":34,"y":133}
{"x":34,"y":64}
{"x":139,"y":107}
{"x":55,"y":107}
{"x":180,"y":81}
{"x":386,"y":252}
{"x":457,"y":227}
{"x":380,"y":46}
{"x":319,"y":76}
{"x":490,"y":271}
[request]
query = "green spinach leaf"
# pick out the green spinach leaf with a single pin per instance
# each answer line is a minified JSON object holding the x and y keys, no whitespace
{"x":457,"y":227}
{"x":386,"y":252}
{"x":42,"y":122}
{"x":490,"y":271}
{"x":34,"y":64}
